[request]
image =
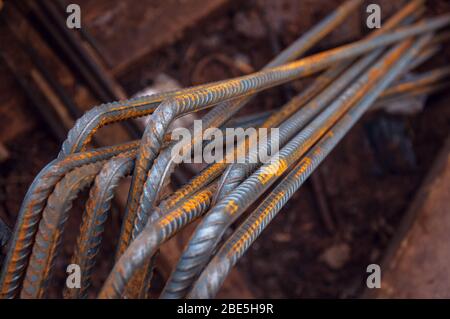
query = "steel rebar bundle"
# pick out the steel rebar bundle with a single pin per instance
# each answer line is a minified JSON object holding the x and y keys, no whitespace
{"x":354,"y":77}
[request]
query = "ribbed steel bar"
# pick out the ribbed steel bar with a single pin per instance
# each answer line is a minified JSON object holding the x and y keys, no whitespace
{"x":226,"y":95}
{"x":190,"y":187}
{"x":108,"y":113}
{"x":236,"y":173}
{"x":5,"y":235}
{"x":163,"y":166}
{"x":154,"y":234}
{"x":94,"y":217}
{"x":48,"y":237}
{"x":158,"y":175}
{"x":215,"y":273}
{"x":135,"y":216}
{"x":29,"y":215}
{"x":211,"y":229}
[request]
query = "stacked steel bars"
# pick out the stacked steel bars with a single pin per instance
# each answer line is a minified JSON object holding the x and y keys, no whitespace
{"x":353,"y":78}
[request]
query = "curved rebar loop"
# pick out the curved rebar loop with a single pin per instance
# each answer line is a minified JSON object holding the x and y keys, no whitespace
{"x":215,"y":93}
{"x":87,"y":125}
{"x":95,"y":215}
{"x":211,"y":279}
{"x":236,"y":173}
{"x":135,"y":217}
{"x":224,"y":213}
{"x":29,"y":215}
{"x":152,"y":236}
{"x":51,"y":226}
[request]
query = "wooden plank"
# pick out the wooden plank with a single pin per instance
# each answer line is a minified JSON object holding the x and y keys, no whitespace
{"x":417,"y":262}
{"x":127,"y":30}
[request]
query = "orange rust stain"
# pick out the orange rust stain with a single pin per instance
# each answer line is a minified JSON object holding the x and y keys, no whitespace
{"x":231,"y":207}
{"x":276,"y":168}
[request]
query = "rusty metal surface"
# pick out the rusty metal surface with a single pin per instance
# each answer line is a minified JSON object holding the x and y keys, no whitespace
{"x":308,"y":134}
{"x":225,"y":212}
{"x":209,"y":95}
{"x":94,"y":217}
{"x":163,"y":165}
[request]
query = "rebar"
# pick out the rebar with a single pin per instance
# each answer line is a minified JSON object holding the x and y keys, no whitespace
{"x":51,"y":226}
{"x":155,"y":233}
{"x":29,"y":215}
{"x":215,"y":273}
{"x":94,"y":218}
{"x":355,"y":76}
{"x":225,"y":212}
{"x":141,"y":196}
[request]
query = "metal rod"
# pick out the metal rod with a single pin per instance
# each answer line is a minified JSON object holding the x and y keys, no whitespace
{"x":211,"y":229}
{"x":214,"y":274}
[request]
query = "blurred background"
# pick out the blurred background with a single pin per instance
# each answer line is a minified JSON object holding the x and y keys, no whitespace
{"x":349,"y":214}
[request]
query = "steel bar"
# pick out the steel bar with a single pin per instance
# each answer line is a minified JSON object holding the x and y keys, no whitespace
{"x":30,"y":211}
{"x":418,"y":81}
{"x":420,"y":91}
{"x":197,"y":98}
{"x":136,"y":217}
{"x":211,"y":228}
{"x":5,"y":235}
{"x":136,"y":212}
{"x":312,"y":123}
{"x":236,"y":173}
{"x":48,"y":237}
{"x":151,"y":237}
{"x":162,"y":166}
{"x":320,"y":83}
{"x":214,"y":274}
{"x":174,"y":198}
{"x":94,"y":217}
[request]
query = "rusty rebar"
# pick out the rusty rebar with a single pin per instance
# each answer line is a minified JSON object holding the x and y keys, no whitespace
{"x":94,"y":217}
{"x":30,"y":211}
{"x":217,"y":269}
{"x":321,"y":120}
{"x":51,"y":226}
{"x":211,"y":228}
{"x":158,"y":174}
{"x":140,"y":201}
{"x":155,"y":233}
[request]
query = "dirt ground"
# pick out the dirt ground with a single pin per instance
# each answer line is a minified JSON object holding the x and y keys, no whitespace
{"x":370,"y":177}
